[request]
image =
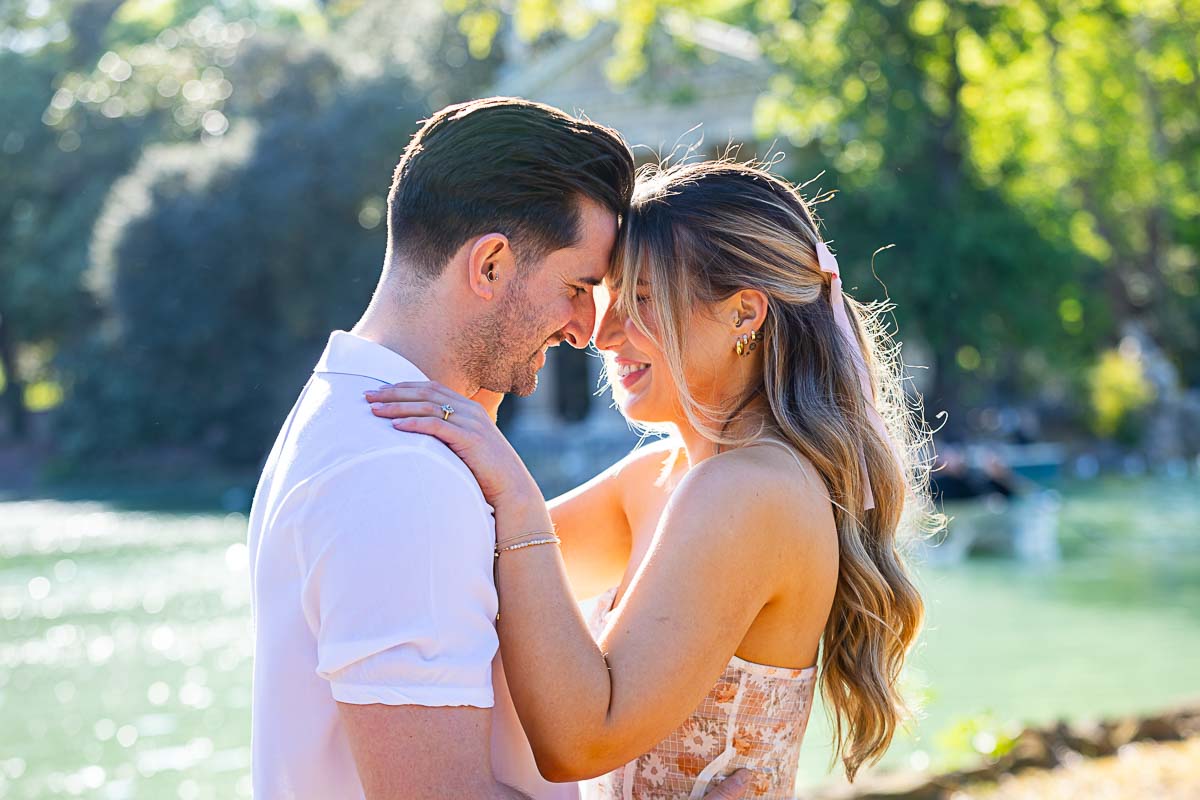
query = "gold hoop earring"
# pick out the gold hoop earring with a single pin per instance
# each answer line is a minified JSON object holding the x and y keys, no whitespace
{"x":747,"y":343}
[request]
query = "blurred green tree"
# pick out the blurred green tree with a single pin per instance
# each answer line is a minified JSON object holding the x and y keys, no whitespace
{"x":221,"y":265}
{"x":87,"y":84}
{"x":1087,"y":116}
{"x":1034,"y":162}
{"x":873,"y":90}
{"x":35,"y":298}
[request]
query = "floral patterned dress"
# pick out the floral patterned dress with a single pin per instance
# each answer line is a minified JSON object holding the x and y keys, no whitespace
{"x":753,"y":717}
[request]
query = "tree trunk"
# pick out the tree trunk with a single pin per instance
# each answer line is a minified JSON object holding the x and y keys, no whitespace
{"x":14,"y":389}
{"x":89,"y":22}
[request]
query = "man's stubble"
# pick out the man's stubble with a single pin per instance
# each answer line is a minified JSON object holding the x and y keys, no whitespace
{"x":499,"y":353}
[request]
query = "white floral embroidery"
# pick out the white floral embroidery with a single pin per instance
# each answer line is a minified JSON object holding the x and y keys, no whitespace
{"x":697,"y":740}
{"x":654,"y":770}
{"x":761,"y":711}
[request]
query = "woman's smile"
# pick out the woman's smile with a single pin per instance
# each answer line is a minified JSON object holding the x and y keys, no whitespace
{"x":630,"y":372}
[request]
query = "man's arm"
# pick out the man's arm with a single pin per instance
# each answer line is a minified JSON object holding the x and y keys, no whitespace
{"x":396,"y":547}
{"x":426,"y":752}
{"x":444,"y":752}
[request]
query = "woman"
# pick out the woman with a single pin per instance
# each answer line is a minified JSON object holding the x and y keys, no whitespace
{"x":759,"y":536}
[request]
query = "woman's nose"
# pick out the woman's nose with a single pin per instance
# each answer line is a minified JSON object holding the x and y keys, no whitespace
{"x":610,"y":327}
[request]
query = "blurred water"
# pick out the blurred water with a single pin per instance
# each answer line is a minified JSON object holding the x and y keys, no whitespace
{"x":124,"y":653}
{"x":1113,"y":628}
{"x":125,"y":641}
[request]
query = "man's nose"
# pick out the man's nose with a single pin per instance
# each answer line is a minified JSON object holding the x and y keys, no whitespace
{"x":578,"y":332}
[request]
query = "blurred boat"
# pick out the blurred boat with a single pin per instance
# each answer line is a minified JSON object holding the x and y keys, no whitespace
{"x":998,"y":503}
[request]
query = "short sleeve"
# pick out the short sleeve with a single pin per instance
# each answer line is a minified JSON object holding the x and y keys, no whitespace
{"x":396,"y":547}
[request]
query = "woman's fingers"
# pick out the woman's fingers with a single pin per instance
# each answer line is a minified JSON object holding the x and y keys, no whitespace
{"x":733,"y":787}
{"x":428,"y":390}
{"x":408,"y":409}
{"x":421,"y":397}
{"x":449,"y":433}
{"x":470,"y":431}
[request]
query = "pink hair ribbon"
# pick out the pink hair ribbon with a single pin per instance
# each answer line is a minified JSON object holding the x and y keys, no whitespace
{"x":827,"y":263}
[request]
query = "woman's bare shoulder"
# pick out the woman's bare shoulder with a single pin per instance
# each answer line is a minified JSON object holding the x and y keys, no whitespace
{"x":767,"y":488}
{"x":647,"y":464}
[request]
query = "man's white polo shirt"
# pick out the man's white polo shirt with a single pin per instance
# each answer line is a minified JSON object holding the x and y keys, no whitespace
{"x":371,"y":580}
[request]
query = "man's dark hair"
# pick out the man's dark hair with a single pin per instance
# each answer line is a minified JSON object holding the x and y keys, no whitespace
{"x":506,"y":165}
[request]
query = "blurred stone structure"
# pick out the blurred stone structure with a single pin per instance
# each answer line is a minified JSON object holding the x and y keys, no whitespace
{"x":1173,"y":415}
{"x":711,"y":92}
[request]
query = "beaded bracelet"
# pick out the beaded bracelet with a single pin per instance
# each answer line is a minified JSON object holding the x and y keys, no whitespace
{"x":518,"y":546}
{"x":505,"y":541}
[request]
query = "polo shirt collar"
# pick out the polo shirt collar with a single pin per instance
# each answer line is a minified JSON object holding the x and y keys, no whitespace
{"x":348,"y":354}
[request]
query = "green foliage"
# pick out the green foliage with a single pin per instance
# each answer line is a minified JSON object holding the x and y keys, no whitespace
{"x":1085,"y":116}
{"x":967,"y":738}
{"x":1034,"y":163}
{"x":39,"y":261}
{"x":223,"y":263}
{"x":77,"y":116}
{"x":1118,"y":388}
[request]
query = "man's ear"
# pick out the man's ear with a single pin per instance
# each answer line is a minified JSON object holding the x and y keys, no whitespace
{"x":490,"y":262}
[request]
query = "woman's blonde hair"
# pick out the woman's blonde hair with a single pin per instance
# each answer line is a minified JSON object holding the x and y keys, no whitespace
{"x":699,"y":232}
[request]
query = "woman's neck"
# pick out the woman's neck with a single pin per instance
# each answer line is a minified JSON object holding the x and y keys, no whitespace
{"x":699,"y":447}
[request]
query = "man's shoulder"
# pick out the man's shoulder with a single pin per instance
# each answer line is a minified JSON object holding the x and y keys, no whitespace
{"x":333,"y":441}
{"x":410,"y":457}
{"x":336,"y":413}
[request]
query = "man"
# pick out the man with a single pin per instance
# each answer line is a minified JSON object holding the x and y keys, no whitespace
{"x":376,"y":669}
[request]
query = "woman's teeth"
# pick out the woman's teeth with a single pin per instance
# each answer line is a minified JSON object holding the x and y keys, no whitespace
{"x":624,"y":370}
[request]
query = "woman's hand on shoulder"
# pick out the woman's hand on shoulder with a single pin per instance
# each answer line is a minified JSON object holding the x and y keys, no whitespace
{"x":463,"y":425}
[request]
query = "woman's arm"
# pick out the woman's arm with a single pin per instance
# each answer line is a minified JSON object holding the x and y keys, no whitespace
{"x":593,"y":524}
{"x":595,"y":534}
{"x":589,"y":707}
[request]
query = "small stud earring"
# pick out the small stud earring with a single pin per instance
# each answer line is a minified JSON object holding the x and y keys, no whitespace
{"x":754,"y":337}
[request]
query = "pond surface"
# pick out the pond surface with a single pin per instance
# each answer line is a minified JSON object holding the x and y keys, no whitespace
{"x":1112,"y":628}
{"x":125,"y":641}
